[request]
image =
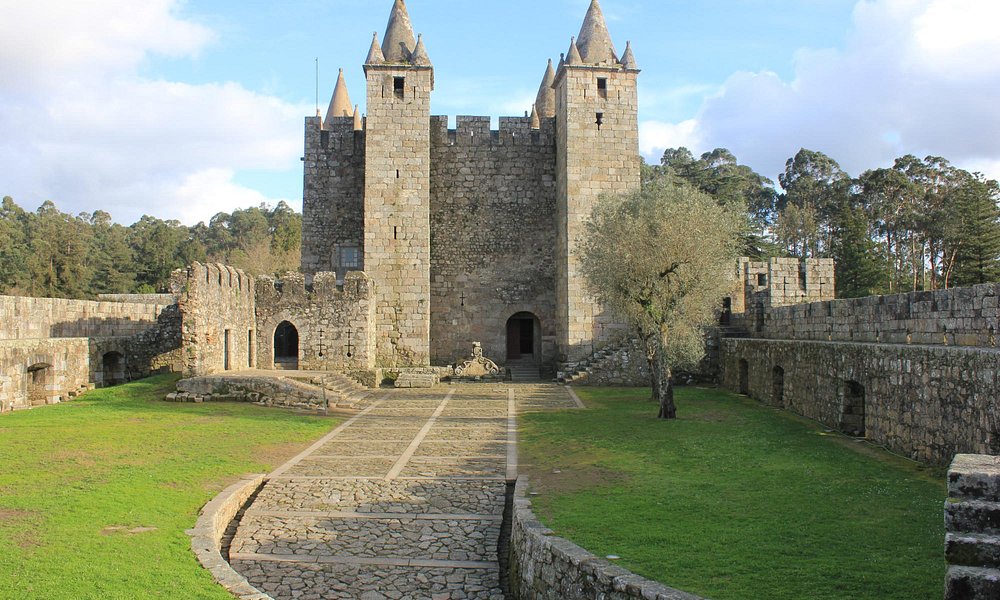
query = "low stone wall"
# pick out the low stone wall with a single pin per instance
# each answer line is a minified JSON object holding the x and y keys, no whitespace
{"x":207,"y":534}
{"x":925,"y":402}
{"x":41,"y":372}
{"x":161,"y":299}
{"x":972,"y":518}
{"x":268,"y":391}
{"x":545,"y":567}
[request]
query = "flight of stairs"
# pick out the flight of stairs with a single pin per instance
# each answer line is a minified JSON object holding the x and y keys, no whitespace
{"x":972,"y":520}
{"x":579,"y":372}
{"x":523,"y":370}
{"x":341,"y":391}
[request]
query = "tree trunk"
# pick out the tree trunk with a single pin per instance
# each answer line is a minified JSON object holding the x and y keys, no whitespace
{"x":665,"y":393}
{"x":649,"y":342}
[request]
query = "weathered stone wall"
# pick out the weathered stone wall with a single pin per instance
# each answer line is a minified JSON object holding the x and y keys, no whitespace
{"x":545,"y":567}
{"x":333,"y":193}
{"x":956,"y":317}
{"x":218,"y":321}
{"x":397,"y":210}
{"x":973,"y":528}
{"x":42,"y":318}
{"x":592,"y":159}
{"x":492,"y":219}
{"x":42,"y":371}
{"x":926,"y":402}
{"x":326,"y":318}
{"x":160,"y":299}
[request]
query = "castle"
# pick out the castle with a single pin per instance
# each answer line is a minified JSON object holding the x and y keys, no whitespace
{"x":469,"y":234}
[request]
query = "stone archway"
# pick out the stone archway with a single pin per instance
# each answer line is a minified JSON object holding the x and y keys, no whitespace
{"x":524,"y":338}
{"x":39,"y":384}
{"x":852,"y":411}
{"x":778,"y":386}
{"x":744,"y":377}
{"x":286,"y":346}
{"x":113,"y":369}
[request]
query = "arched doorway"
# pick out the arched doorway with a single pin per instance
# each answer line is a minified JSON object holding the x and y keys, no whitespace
{"x":524,"y":338}
{"x":286,"y":346}
{"x":39,"y":384}
{"x":113,"y":369}
{"x":744,"y":377}
{"x":852,"y":413}
{"x":778,"y":391}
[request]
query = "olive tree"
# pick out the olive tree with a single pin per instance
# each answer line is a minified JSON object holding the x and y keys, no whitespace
{"x":660,"y":258}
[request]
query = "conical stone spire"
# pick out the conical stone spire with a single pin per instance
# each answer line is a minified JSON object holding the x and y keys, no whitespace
{"x":340,"y":104}
{"x":594,"y":41}
{"x":359,"y":124}
{"x":375,"y":56}
{"x":536,"y":123}
{"x":573,"y":57}
{"x":420,"y":57}
{"x":545,"y":102}
{"x":628,"y":59}
{"x":399,"y":42}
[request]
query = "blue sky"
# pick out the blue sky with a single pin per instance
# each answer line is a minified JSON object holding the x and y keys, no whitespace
{"x":184,"y":109}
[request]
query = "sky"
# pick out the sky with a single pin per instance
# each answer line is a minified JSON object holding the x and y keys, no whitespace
{"x":184,"y":109}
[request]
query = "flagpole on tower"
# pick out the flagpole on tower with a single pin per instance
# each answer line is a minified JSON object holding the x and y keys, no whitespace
{"x":317,"y":87}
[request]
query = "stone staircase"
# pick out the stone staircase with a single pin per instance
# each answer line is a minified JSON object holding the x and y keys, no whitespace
{"x":524,"y":371}
{"x":289,"y":389}
{"x":972,"y":520}
{"x":579,"y":372}
{"x":341,"y":391}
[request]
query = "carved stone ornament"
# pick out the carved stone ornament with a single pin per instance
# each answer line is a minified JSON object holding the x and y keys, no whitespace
{"x":478,"y":365}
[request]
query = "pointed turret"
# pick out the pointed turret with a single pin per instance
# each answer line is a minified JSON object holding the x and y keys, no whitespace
{"x":536,"y":123}
{"x":375,"y":56}
{"x":420,"y":57}
{"x":545,"y":102}
{"x":359,"y":124}
{"x":628,"y":59}
{"x":340,"y":104}
{"x":398,"y":43}
{"x":594,"y":43}
{"x":573,"y":57}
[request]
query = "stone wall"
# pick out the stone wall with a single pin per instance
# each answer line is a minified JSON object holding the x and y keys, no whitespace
{"x":956,"y":317}
{"x":545,"y":567}
{"x":42,"y":318}
{"x":218,"y":321}
{"x":333,"y":193}
{"x":973,"y":528}
{"x":492,"y":217}
{"x":160,"y":299}
{"x":42,"y":371}
{"x":331,"y":322}
{"x":923,"y":401}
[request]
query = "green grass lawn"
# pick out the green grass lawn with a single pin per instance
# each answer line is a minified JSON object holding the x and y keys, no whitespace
{"x":95,"y":494}
{"x":736,"y":500}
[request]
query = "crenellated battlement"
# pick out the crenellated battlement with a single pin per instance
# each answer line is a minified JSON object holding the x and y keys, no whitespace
{"x":336,"y":136}
{"x":476,"y":131}
{"x":292,"y":287}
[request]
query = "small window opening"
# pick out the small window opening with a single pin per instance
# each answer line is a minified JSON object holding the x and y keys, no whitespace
{"x":397,"y":173}
{"x":395,"y":233}
{"x":398,"y":86}
{"x":761,"y":280}
{"x":602,"y":87}
{"x":600,"y":120}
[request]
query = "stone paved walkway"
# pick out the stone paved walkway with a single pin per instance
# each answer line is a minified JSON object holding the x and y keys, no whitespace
{"x":403,"y":501}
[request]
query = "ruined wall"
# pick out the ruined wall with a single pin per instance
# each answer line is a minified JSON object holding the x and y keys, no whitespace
{"x":218,"y":321}
{"x":42,"y":371}
{"x":326,"y":318}
{"x":42,"y":318}
{"x":161,"y":299}
{"x":492,"y":226}
{"x":333,"y":193}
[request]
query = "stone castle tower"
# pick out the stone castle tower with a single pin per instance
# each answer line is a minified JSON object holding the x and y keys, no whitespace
{"x":470,"y":234}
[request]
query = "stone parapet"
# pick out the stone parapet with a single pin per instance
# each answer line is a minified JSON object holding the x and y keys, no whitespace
{"x":972,"y":543}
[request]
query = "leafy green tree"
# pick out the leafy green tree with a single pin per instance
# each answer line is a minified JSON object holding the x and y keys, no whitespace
{"x":14,"y":274}
{"x":659,"y":258}
{"x":972,"y":238}
{"x":815,"y":185}
{"x":858,"y":263}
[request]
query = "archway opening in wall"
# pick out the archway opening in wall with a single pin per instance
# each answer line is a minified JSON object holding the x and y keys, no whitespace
{"x":852,"y":412}
{"x":524,"y":337}
{"x":113,"y":368}
{"x":286,"y":347}
{"x":744,"y":377}
{"x":725,"y":317}
{"x":778,"y":386}
{"x":39,"y":384}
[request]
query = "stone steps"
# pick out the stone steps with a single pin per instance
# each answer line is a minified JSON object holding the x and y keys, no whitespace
{"x":972,"y":520}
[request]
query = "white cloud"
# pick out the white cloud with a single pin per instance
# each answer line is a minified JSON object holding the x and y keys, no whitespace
{"x":80,"y":126}
{"x":657,"y":136}
{"x":915,"y":76}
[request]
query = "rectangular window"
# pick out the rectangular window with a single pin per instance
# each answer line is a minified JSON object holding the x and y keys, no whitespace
{"x":600,"y":120}
{"x":398,"y":86}
{"x":602,"y":87}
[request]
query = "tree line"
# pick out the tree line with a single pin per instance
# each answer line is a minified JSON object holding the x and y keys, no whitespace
{"x":922,"y":224}
{"x":54,"y":254}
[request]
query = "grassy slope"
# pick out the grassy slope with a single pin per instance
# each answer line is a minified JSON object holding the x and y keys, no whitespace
{"x":735,"y":500}
{"x":78,"y":476}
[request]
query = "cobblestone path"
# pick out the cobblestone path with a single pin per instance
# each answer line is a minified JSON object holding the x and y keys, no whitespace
{"x":403,"y":501}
